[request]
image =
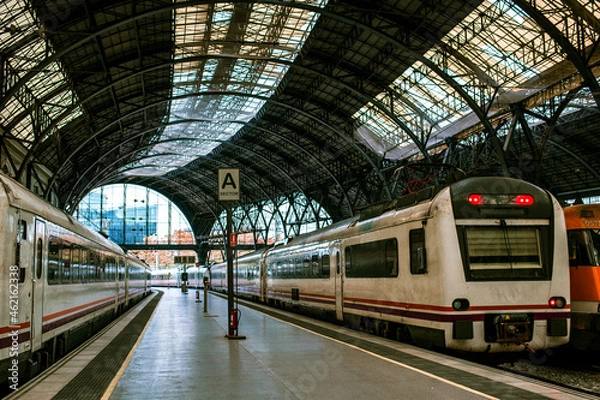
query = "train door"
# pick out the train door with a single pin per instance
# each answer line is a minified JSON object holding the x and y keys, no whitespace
{"x":37,"y":285}
{"x":124,"y":267}
{"x":336,"y":258}
{"x":263,"y":278}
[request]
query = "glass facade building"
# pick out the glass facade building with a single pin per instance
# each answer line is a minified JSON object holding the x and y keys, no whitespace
{"x":131,"y":214}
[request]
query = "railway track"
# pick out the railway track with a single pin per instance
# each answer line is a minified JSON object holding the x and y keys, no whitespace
{"x":562,"y":367}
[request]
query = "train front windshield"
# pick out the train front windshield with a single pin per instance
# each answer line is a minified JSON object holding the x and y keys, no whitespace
{"x":584,"y":247}
{"x":504,"y":252}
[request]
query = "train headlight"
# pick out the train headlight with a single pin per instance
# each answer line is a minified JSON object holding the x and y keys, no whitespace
{"x":557,"y":302}
{"x":460,"y":304}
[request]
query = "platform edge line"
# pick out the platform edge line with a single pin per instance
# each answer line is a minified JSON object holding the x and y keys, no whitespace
{"x":113,"y":383}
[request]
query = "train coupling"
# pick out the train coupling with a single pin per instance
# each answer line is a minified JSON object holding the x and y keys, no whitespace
{"x":528,"y":347}
{"x":509,"y":328}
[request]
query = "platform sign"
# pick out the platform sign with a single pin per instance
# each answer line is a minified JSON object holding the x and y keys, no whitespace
{"x":229,"y":184}
{"x":184,"y":259}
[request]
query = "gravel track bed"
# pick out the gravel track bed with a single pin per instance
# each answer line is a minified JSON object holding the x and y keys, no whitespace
{"x":574,"y":369}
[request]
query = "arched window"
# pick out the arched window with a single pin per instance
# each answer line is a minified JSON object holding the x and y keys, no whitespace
{"x":132,"y":214}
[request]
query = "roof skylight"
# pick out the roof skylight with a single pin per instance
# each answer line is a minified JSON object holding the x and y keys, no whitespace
{"x":45,"y":92}
{"x":234,"y":51}
{"x":495,"y":55}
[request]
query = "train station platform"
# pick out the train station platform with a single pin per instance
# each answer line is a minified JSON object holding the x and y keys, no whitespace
{"x":183,"y":353}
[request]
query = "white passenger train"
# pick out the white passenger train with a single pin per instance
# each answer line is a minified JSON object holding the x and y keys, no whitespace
{"x":479,"y":265}
{"x":59,"y":282}
{"x":173,"y":277}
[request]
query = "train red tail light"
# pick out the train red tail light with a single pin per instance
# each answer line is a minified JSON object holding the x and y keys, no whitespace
{"x":557,"y":302}
{"x":477,"y":199}
{"x":524,"y":200}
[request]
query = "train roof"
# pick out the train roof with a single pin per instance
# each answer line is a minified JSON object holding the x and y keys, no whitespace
{"x":370,"y":216}
{"x":20,"y":197}
{"x":582,"y":216}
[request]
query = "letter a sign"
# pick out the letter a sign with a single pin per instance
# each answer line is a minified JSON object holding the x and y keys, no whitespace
{"x":229,"y":184}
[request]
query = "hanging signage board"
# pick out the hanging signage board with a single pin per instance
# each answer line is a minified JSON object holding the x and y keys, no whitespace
{"x":229,"y":184}
{"x":184,"y":259}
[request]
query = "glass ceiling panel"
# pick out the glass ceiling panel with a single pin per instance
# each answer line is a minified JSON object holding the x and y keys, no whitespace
{"x":46,"y":93}
{"x":215,"y":95}
{"x":496,"y":47}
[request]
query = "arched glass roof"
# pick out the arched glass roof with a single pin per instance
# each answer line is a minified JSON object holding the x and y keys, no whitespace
{"x":231,"y":90}
{"x":498,"y":55}
{"x":327,"y":99}
{"x":20,"y":31}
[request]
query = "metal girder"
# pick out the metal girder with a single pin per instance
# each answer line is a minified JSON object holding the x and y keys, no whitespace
{"x":184,"y":4}
{"x":339,"y":74}
{"x":216,"y":93}
{"x":108,"y":179}
{"x":576,"y":157}
{"x":142,"y":72}
{"x":575,"y":55}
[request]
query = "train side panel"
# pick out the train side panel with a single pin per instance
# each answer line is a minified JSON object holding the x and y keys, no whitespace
{"x":170,"y":277}
{"x":301,"y":275}
{"x":583,"y":227}
{"x":16,"y":280}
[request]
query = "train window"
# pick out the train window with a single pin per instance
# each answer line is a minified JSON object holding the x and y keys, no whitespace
{"x":53,"y":274}
{"x":296,"y":265}
{"x":93,"y":266}
{"x":288,"y":268}
{"x":418,"y":260}
{"x":84,"y":266}
{"x":325,"y":267}
{"x":100,"y":267}
{"x":505,"y":252}
{"x":22,"y":235}
{"x":316,"y":269}
{"x":38,"y":259}
{"x":75,"y":264}
{"x":303,"y":267}
{"x":65,"y":257}
{"x":121,"y":270}
{"x":111,"y":269}
{"x":372,"y":260}
{"x":584,"y":247}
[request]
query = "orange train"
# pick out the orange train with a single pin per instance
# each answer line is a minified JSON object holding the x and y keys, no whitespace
{"x":583,"y":227}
